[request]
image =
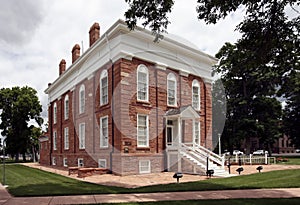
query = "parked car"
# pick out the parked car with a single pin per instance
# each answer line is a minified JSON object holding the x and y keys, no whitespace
{"x":297,"y":150}
{"x":260,"y":152}
{"x":237,"y":152}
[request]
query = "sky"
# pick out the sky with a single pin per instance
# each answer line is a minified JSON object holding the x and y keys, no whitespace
{"x":36,"y":35}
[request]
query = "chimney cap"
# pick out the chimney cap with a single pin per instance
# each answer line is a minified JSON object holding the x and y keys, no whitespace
{"x":63,"y":61}
{"x":76,"y":47}
{"x":94,"y":26}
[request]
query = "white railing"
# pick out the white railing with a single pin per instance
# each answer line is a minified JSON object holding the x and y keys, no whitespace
{"x":201,"y":153}
{"x":250,"y":159}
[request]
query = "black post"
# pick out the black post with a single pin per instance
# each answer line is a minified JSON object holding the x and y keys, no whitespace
{"x":240,"y":161}
{"x":3,"y":164}
{"x":228,"y":165}
{"x":207,"y":166}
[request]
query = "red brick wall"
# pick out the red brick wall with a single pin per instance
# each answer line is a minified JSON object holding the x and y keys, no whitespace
{"x":126,"y":107}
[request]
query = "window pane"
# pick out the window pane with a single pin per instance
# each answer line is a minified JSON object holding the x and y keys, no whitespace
{"x":142,"y":138}
{"x":142,"y":85}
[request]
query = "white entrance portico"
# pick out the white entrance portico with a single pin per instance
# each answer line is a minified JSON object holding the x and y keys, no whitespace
{"x":183,"y":143}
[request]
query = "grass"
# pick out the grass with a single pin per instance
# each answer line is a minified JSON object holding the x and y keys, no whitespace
{"x":26,"y":181}
{"x":291,"y":201}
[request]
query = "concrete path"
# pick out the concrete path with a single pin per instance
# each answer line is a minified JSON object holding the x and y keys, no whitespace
{"x":6,"y":199}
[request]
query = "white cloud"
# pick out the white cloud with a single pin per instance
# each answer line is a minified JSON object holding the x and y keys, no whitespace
{"x":36,"y":35}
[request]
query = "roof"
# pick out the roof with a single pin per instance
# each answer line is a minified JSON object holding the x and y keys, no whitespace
{"x":184,"y":112}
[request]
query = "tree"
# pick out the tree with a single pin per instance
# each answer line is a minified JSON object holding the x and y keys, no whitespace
{"x":19,"y":106}
{"x":35,"y":133}
{"x":291,"y":116}
{"x":254,"y":69}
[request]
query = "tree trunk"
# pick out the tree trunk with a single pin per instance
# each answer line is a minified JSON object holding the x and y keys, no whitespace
{"x":24,"y":157}
{"x":17,"y":157}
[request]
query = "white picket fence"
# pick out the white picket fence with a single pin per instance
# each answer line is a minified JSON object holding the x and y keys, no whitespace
{"x":251,"y":159}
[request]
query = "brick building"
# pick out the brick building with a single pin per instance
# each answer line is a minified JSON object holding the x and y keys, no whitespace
{"x":131,"y":105}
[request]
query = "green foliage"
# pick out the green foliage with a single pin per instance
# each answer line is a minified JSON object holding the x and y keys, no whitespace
{"x":153,"y":12}
{"x":19,"y":106}
{"x":291,"y":117}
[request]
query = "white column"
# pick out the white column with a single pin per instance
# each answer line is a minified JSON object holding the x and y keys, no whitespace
{"x":179,"y":144}
{"x":219,"y":135}
{"x":193,"y":140}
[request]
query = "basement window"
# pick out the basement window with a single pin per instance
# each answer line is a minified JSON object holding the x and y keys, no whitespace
{"x":144,"y":166}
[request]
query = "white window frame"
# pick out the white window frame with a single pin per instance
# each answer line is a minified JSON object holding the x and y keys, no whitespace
{"x":171,"y":78}
{"x":81,"y":99}
{"x":80,"y":162}
{"x":82,"y":136}
{"x":100,"y":161}
{"x":55,"y":113}
{"x":54,"y":161}
{"x":65,"y":162}
{"x":54,"y":140}
{"x":197,"y":132}
{"x":104,"y":88}
{"x":196,"y":104}
{"x":66,"y":138}
{"x":138,"y":130}
{"x":103,"y":142}
{"x":143,"y":70}
{"x":66,"y":107}
{"x":144,"y":166}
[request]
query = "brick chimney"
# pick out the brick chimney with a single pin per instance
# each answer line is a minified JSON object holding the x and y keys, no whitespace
{"x":62,"y":66}
{"x":94,"y":33}
{"x":75,"y":53}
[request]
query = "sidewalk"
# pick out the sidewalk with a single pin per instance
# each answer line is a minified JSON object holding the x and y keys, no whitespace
{"x":6,"y":199}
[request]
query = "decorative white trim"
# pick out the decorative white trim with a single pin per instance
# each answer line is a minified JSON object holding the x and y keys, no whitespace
{"x":184,"y":73}
{"x":161,"y":66}
{"x":125,"y":44}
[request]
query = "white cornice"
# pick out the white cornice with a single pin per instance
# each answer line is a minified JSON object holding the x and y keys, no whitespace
{"x":118,"y":42}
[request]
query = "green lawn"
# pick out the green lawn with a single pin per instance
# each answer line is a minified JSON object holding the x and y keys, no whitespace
{"x":25,"y":181}
{"x":292,"y":201}
{"x":291,"y":160}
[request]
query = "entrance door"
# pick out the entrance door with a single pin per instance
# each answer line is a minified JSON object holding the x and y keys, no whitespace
{"x":169,"y":135}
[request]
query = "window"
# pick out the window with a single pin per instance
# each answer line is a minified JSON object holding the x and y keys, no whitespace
{"x":103,"y":88}
{"x":80,"y":162}
{"x":172,"y":88}
{"x":196,"y":95}
{"x":55,"y":140}
{"x":65,"y":161}
{"x":66,"y":137}
{"x":142,"y":83}
{"x":81,"y":99}
{"x":66,"y":107}
{"x":102,"y":163}
{"x":54,"y":113}
{"x":104,"y":131}
{"x":81,"y":135}
{"x":53,"y":160}
{"x":144,"y":166}
{"x":197,"y":133}
{"x":142,"y":131}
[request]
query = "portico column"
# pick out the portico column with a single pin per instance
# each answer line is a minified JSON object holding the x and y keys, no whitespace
{"x":193,"y":140}
{"x":179,"y":144}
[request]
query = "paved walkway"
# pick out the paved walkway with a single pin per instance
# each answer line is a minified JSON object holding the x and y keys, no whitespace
{"x":6,"y":199}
